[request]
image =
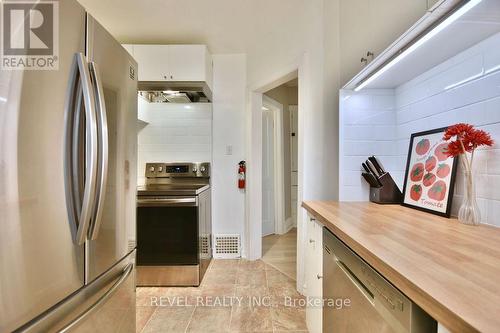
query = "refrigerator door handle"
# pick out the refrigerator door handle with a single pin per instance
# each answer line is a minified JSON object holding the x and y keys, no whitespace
{"x":103,"y":151}
{"x":80,"y":209}
{"x":81,"y":317}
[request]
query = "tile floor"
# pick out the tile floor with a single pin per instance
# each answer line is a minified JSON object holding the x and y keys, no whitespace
{"x":235,"y":296}
{"x":280,"y":251}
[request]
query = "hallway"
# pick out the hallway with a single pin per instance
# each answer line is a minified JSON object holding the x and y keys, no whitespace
{"x":280,"y":251}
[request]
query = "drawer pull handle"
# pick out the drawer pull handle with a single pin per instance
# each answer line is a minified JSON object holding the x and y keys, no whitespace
{"x":319,"y":276}
{"x":312,"y":241}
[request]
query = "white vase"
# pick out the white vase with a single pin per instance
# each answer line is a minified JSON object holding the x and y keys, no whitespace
{"x":469,"y":212}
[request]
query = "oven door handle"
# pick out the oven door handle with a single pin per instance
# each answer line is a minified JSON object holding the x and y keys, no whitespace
{"x":167,"y":202}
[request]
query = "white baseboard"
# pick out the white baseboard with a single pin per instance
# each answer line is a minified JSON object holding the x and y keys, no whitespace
{"x":288,"y":225}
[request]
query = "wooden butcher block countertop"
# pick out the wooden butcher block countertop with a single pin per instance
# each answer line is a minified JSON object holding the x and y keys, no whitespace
{"x":449,"y":269}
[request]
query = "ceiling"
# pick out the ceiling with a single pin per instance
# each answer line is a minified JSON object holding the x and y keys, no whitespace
{"x":226,"y":26}
{"x":293,"y":83}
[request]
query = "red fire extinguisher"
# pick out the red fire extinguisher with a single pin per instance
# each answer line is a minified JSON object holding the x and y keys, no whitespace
{"x":241,"y":174}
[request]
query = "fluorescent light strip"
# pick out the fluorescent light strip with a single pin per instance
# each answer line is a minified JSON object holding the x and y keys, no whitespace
{"x":440,"y":27}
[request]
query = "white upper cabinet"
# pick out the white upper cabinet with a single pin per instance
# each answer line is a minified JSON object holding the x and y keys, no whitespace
{"x":172,"y":62}
{"x":370,"y":26}
{"x":153,"y":62}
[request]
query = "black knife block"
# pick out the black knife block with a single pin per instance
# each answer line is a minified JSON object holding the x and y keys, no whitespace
{"x":388,"y":193}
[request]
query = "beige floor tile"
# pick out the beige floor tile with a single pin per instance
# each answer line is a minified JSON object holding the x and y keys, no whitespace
{"x":219,"y":277}
{"x":253,"y":295}
{"x":251,"y":319}
{"x":169,"y":319}
{"x":286,"y":295}
{"x":251,"y":265}
{"x":215,"y":291}
{"x":225,"y":280}
{"x":280,"y":251}
{"x":181,"y":296}
{"x":148,"y":296}
{"x":142,"y":316}
{"x":251,"y":278}
{"x":277,"y":278}
{"x":210,"y":319}
{"x":289,"y":318}
{"x":224,"y":264}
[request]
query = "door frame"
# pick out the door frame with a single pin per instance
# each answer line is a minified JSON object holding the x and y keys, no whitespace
{"x":303,"y":69}
{"x":279,"y":158}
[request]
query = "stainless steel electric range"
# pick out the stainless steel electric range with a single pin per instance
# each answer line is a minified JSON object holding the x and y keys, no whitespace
{"x":174,"y":224}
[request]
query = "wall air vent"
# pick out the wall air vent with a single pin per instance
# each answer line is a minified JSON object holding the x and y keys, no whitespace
{"x":227,"y":246}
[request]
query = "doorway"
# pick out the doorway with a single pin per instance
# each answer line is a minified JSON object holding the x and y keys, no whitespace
{"x":279,"y":177}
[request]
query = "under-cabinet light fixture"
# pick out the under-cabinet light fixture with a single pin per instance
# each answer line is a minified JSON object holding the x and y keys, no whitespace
{"x":419,"y":42}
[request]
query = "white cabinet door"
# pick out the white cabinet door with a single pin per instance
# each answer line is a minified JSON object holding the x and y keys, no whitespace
{"x":153,"y":62}
{"x":314,"y":279}
{"x":209,"y":66}
{"x":187,"y":62}
{"x":172,"y":62}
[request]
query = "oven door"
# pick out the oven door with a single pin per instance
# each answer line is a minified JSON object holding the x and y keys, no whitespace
{"x":167,"y":231}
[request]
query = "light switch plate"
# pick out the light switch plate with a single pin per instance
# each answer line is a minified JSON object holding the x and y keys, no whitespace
{"x":229,"y":150}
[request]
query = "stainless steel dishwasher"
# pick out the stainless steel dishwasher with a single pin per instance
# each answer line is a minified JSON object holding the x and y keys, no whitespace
{"x":358,"y":299}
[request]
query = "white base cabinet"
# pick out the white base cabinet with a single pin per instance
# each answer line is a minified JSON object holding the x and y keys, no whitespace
{"x":314,"y":275}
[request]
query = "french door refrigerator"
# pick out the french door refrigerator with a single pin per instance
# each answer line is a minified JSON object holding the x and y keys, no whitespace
{"x":67,"y":186}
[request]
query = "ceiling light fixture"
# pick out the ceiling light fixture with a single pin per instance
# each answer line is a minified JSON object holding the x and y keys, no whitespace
{"x":419,"y":42}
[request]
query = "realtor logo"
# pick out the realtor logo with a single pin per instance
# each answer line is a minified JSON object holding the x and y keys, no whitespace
{"x":30,"y":35}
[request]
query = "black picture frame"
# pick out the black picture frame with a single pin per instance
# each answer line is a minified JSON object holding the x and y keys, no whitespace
{"x":453,"y":172}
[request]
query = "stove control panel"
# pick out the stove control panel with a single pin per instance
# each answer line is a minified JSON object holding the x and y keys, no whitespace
{"x":177,"y":170}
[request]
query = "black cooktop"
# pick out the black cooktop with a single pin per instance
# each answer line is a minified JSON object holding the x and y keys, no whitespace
{"x":171,"y":189}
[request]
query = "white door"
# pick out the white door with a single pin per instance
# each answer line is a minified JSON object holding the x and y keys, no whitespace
{"x":267,"y":172}
{"x":293,"y":110}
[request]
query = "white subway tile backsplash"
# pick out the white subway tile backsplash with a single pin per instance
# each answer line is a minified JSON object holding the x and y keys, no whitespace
{"x":368,"y":148}
{"x":465,"y":88}
{"x":174,"y":132}
{"x":493,"y":213}
{"x":368,"y":132}
{"x":493,"y":162}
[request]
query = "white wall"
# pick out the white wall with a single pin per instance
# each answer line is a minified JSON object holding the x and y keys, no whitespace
{"x":464,"y":88}
{"x":368,"y":128}
{"x":173,"y":133}
{"x":228,"y":202}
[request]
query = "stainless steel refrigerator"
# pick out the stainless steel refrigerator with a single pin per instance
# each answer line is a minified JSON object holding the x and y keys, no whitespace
{"x":67,"y":186}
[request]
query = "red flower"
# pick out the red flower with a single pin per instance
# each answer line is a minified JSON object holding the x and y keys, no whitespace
{"x":467,"y":139}
{"x":459,"y":130}
{"x":454,"y":149}
{"x":478,"y":138}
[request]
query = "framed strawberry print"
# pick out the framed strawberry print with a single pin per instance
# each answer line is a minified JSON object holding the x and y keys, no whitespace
{"x":430,"y":173}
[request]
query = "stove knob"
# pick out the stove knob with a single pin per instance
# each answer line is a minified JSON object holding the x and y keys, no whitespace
{"x":195,"y":169}
{"x":160,"y":169}
{"x":152,"y":169}
{"x":202,"y":169}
